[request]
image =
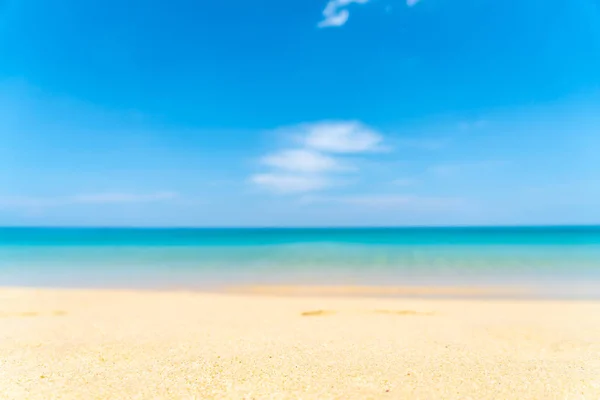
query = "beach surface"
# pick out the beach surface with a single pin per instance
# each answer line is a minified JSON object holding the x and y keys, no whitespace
{"x":109,"y":344}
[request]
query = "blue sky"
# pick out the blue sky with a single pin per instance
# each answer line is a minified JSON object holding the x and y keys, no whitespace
{"x":271,"y":113}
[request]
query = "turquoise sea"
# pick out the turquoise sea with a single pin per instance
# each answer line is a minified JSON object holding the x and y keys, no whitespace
{"x":559,"y":261}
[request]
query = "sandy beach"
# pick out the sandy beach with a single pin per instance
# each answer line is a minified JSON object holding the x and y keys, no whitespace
{"x":103,"y":344}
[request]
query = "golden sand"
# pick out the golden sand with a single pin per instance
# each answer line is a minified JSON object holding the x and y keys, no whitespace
{"x":85,"y":344}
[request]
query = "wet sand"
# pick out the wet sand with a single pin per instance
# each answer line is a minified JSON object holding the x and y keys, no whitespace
{"x":107,"y":344}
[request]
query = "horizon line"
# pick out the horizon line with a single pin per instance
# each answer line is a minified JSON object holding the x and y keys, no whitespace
{"x":315,"y":227}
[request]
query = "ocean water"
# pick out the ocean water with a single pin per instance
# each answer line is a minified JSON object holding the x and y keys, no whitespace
{"x":556,"y":261}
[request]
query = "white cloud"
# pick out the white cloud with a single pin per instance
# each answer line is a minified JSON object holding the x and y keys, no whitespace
{"x":336,"y":11}
{"x":336,"y":14}
{"x":320,"y":157}
{"x":290,"y":183}
{"x":301,"y":160}
{"x":342,"y":137}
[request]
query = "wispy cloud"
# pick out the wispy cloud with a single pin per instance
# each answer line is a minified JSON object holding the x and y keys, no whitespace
{"x":29,"y":202}
{"x":342,"y":137}
{"x":336,"y":13}
{"x":322,"y":153}
{"x":290,"y":183}
{"x":301,"y":160}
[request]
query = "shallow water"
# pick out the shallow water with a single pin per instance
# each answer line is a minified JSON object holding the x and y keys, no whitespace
{"x":556,"y":261}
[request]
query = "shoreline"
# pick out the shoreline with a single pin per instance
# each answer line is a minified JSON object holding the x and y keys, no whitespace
{"x":501,"y":291}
